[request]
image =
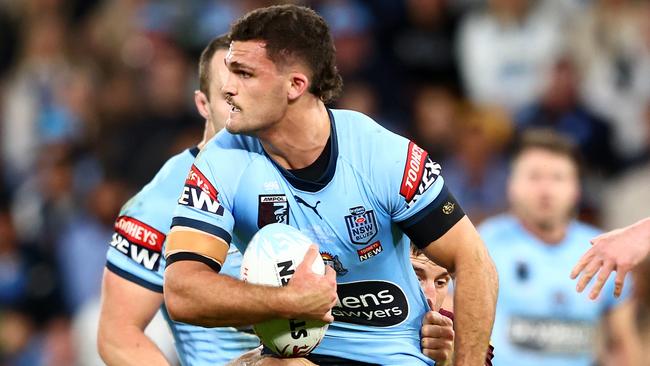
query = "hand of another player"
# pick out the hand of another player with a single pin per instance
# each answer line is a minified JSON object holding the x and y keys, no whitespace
{"x":437,"y":337}
{"x":618,"y":250}
{"x":313,"y":295}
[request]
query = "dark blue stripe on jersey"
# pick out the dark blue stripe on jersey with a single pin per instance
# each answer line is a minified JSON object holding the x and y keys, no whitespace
{"x":188,"y":256}
{"x":310,"y":186}
{"x":432,"y":222}
{"x":202,"y":226}
{"x":325,"y":360}
{"x":195,"y":151}
{"x":133,"y":278}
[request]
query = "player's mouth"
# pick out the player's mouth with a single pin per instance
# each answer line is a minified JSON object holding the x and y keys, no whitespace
{"x":234,"y":109}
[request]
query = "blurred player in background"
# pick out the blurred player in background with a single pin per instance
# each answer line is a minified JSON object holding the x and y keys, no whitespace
{"x":132,"y":284}
{"x":540,"y":319}
{"x":619,"y":250}
{"x":353,"y":187}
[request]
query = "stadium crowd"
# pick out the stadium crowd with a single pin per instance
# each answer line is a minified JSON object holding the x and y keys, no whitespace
{"x":96,"y":95}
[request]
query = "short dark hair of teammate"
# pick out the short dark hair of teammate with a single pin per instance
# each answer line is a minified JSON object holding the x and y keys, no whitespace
{"x":221,"y":42}
{"x":548,"y":140}
{"x":295,"y":32}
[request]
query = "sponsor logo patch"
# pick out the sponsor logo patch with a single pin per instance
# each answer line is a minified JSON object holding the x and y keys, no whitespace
{"x":200,"y":193}
{"x":272,"y":208}
{"x":420,"y":172}
{"x":373,"y":303}
{"x":334,"y":262}
{"x":139,"y":241}
{"x":370,"y":251}
{"x":361,"y":225}
{"x":552,"y":336}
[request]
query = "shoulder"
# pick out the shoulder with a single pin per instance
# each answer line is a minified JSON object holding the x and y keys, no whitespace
{"x":497,"y":226}
{"x":158,"y":197}
{"x":229,"y":153}
{"x":365,"y":142}
{"x":583,"y":231}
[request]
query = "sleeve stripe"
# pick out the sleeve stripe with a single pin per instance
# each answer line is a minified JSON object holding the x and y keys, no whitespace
{"x":133,"y":278}
{"x":202,"y":226}
{"x":187,"y":256}
{"x":442,"y":196}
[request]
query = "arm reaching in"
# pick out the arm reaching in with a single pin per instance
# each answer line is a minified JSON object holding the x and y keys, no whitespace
{"x":618,"y":250}
{"x":462,"y":252}
{"x":127,"y":309}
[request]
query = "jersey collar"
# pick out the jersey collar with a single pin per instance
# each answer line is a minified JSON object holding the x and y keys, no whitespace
{"x":320,"y":183}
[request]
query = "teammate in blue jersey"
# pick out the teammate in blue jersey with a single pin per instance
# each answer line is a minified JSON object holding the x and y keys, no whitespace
{"x":540,"y":319}
{"x":133,"y":279}
{"x":356,"y":189}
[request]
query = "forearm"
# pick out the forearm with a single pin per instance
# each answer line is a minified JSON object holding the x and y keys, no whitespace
{"x":475,"y":298}
{"x":129,"y":346}
{"x":197,"y":295}
{"x":643,"y":228}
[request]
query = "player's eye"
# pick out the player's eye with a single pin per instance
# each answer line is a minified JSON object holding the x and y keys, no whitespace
{"x":442,"y":282}
{"x":243,"y":74}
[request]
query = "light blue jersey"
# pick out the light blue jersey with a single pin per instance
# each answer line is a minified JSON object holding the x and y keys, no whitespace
{"x":541,"y":320}
{"x":376,"y":187}
{"x":135,"y":254}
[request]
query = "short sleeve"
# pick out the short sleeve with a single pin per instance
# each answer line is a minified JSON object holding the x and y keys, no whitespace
{"x":135,"y":252}
{"x":205,"y":203}
{"x":415,"y":193}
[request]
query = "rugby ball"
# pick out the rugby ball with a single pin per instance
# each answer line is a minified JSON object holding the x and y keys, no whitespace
{"x":271,"y":259}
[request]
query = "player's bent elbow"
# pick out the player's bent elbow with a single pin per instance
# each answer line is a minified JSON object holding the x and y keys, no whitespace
{"x":108,"y":343}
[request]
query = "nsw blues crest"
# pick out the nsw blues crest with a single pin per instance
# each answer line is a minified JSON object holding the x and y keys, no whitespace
{"x":361,"y":225}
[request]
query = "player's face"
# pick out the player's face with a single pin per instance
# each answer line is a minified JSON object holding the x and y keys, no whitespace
{"x":543,"y":187}
{"x":255,"y":88}
{"x":219,"y":108}
{"x":434,"y":279}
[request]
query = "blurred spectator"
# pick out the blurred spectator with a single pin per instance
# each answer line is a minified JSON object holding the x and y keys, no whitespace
{"x":505,"y":51}
{"x":612,"y":42}
{"x":420,"y":43}
{"x":81,"y":247}
{"x":560,"y":108}
{"x":435,"y":114}
{"x":33,"y":110}
{"x":44,"y":202}
{"x":477,"y":170}
{"x":626,"y":199}
{"x":28,"y":280}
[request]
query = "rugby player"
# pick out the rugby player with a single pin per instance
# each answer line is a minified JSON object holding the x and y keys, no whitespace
{"x":132,"y":283}
{"x":359,"y":191}
{"x":540,"y":319}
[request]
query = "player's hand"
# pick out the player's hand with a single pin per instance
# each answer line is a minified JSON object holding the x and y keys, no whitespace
{"x":618,"y":250}
{"x":437,"y":337}
{"x":313,"y":295}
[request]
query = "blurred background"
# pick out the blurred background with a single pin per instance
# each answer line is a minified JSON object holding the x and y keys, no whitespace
{"x":96,"y":95}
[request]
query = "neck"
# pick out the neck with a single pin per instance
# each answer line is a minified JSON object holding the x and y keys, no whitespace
{"x":208,"y":132}
{"x":298,"y":139}
{"x":549,"y":233}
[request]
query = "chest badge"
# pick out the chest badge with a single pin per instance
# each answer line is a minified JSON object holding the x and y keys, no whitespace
{"x":334,"y":262}
{"x":272,"y":208}
{"x":361,"y":225}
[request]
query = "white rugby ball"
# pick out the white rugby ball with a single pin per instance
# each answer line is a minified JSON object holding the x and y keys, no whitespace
{"x":271,"y":259}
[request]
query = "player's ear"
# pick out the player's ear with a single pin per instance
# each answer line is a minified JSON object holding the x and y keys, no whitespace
{"x":299,"y":83}
{"x":202,"y":104}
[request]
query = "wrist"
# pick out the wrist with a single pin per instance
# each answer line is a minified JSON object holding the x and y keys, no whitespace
{"x":283,"y":303}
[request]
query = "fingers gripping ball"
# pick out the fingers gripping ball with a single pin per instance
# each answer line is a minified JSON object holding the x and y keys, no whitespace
{"x":271,"y":259}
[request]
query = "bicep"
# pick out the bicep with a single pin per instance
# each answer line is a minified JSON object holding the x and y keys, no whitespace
{"x":460,"y":240}
{"x":126,"y":303}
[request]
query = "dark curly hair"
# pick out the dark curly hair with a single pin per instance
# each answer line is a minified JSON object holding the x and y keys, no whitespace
{"x":295,"y":31}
